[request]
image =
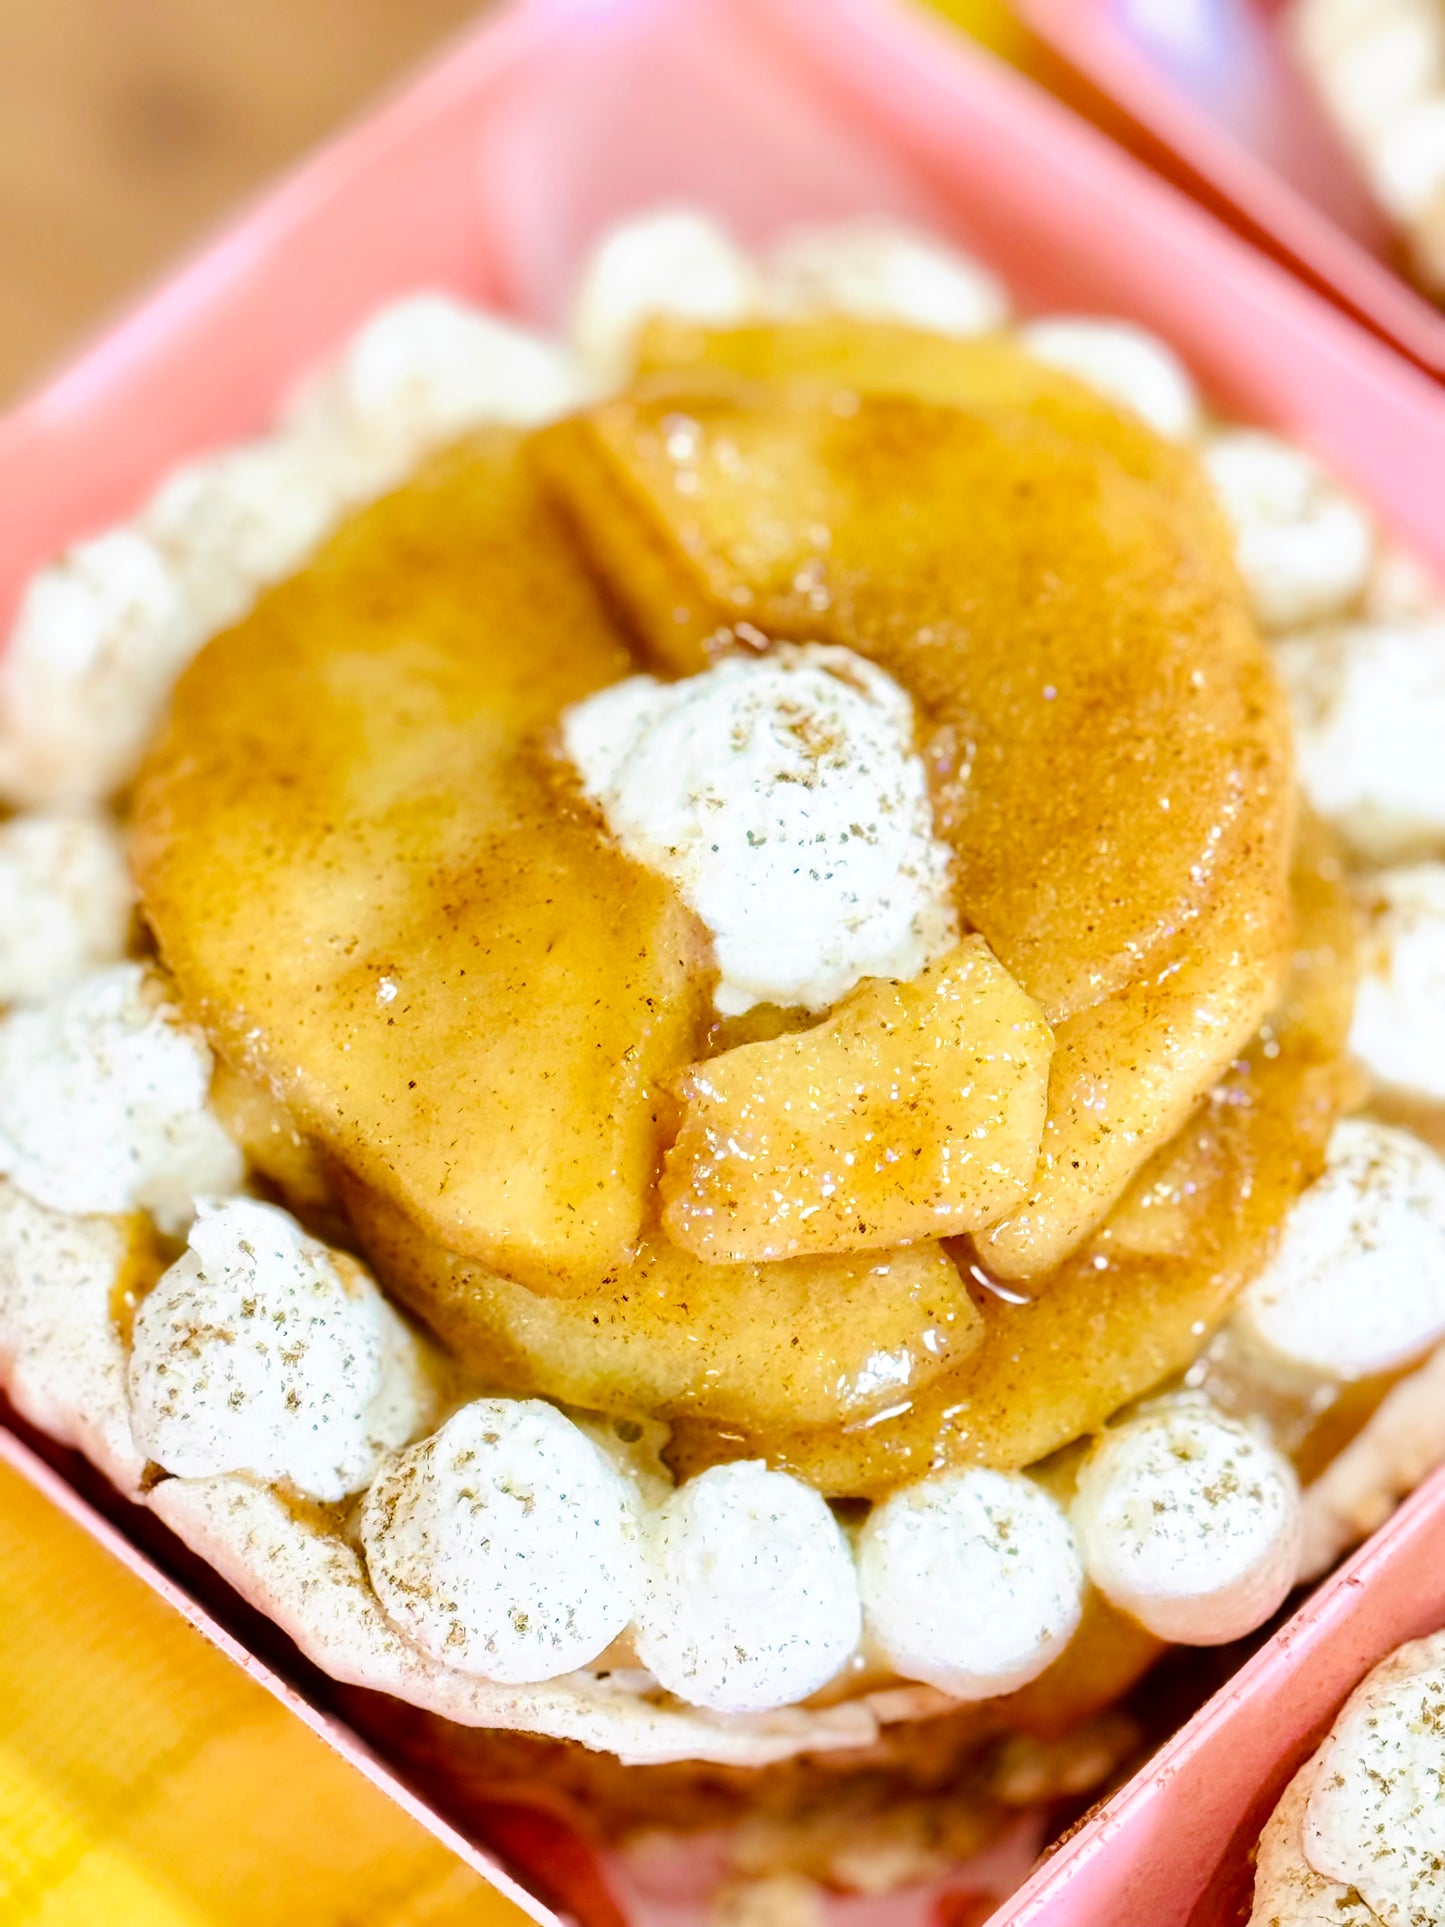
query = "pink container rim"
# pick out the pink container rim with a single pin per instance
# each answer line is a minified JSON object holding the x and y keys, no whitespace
{"x":488,"y":175}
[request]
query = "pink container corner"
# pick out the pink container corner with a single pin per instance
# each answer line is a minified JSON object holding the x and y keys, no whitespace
{"x":1213,"y":83}
{"x":488,"y":175}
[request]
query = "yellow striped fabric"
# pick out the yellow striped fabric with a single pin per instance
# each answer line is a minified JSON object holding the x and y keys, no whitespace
{"x":145,"y":1781}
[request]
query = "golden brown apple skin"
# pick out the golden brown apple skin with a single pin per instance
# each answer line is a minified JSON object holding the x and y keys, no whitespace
{"x":914,"y":1110}
{"x":374,"y":899}
{"x":842,"y":352}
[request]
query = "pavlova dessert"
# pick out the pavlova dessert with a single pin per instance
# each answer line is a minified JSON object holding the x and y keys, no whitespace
{"x":697,"y":1069}
{"x":1378,"y":68}
{"x":1359,"y":1838}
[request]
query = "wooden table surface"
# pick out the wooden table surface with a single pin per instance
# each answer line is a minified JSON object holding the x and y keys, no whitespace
{"x":128,"y":126}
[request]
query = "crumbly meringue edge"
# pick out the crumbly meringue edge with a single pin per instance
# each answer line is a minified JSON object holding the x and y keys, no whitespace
{"x":1290,"y":1890}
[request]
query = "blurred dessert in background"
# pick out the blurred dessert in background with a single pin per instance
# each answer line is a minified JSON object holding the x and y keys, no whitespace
{"x":1379,"y":68}
{"x":1357,"y":1838}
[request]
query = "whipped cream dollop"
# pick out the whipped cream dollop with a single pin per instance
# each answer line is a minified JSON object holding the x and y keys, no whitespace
{"x":1410,"y":162}
{"x":1398,"y":1032}
{"x":231,"y":524}
{"x":1124,"y":363}
{"x":1375,"y":58}
{"x":1401,"y":586}
{"x":505,"y":1544}
{"x":749,"y":1599}
{"x":1375,"y":1819}
{"x":98,"y":640}
{"x":418,"y":374}
{"x":672,"y":261}
{"x":1368,"y":701}
{"x":881,"y":270}
{"x":783,"y":796}
{"x":682,"y":264}
{"x":66,"y":902}
{"x":971,"y":1581}
{"x":1190,"y":1522}
{"x":1357,"y":1283}
{"x":104,"y":1102}
{"x":262,"y":1350}
{"x":1305,"y":547}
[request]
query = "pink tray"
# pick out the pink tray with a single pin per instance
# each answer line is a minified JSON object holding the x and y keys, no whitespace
{"x":1211,"y":81}
{"x":489,"y":175}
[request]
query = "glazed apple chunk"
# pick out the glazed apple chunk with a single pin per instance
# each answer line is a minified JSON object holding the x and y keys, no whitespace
{"x":1053,"y":585}
{"x":1133,"y":1306}
{"x":915,"y":1111}
{"x":783,"y":794}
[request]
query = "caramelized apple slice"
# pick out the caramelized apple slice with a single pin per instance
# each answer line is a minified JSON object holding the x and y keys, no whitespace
{"x":816,"y":1341}
{"x":1127,"y":1074}
{"x":373,"y":901}
{"x":914,"y":1111}
{"x":1136,"y":1304}
{"x":1055,"y":588}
